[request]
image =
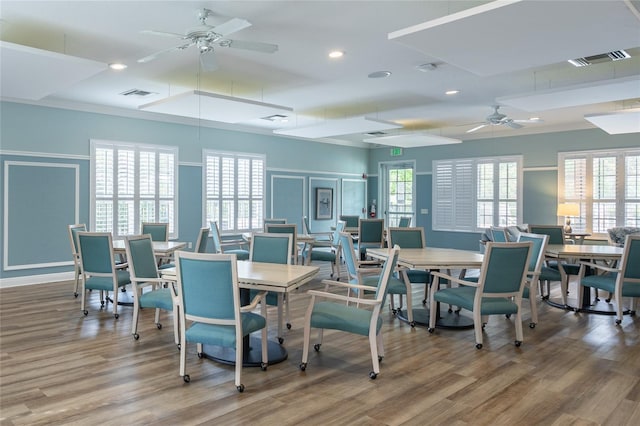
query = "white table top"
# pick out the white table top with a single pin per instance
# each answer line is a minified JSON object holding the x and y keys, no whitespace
{"x":267,"y":276}
{"x":583,"y":251}
{"x":162,"y":248}
{"x":433,"y":258}
{"x":300,"y":238}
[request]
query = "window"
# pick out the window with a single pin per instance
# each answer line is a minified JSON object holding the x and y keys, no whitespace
{"x":472,"y":194}
{"x":131,"y":184}
{"x":234,"y":190}
{"x":606,"y":186}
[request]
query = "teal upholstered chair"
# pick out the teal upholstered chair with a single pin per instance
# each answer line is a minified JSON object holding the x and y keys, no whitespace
{"x":411,"y":238}
{"x":286,"y":228}
{"x":536,"y":262}
{"x":350,"y":314}
{"x":209,"y":298}
{"x":621,"y":282}
{"x":148,"y":287}
{"x":273,"y":221}
{"x":220,"y":246}
{"x":73,"y":230}
{"x":499,"y":234}
{"x":273,"y":248}
{"x":556,"y":236}
{"x":322,"y":253}
{"x":350,"y":221}
{"x":200,"y":247}
{"x":498,"y":291}
{"x":319,"y":237}
{"x":99,"y":268}
{"x":366,"y":273}
{"x":370,"y":235}
{"x":158,"y":231}
{"x":404,"y":222}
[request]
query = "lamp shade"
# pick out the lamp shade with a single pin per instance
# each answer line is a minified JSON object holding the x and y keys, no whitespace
{"x":568,"y":209}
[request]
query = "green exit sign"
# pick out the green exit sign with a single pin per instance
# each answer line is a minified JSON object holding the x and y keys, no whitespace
{"x":395,"y":152}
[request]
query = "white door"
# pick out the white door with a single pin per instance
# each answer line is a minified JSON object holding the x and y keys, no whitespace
{"x":397,"y":189}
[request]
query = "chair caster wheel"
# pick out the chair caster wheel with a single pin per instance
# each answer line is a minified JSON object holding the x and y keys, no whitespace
{"x":280,"y":340}
{"x":317,"y":347}
{"x":85,"y":312}
{"x":478,"y":345}
{"x":607,"y":300}
{"x":431,"y":330}
{"x":412,"y":324}
{"x":507,"y":316}
{"x":380,"y":358}
{"x":200,"y":355}
{"x":101,"y":304}
{"x":303,"y":366}
{"x":179,"y":346}
{"x":75,"y":294}
{"x":424,"y":301}
{"x":372,"y":375}
{"x":136,"y":336}
{"x":159,"y":326}
{"x":518,"y":343}
{"x":116,"y":316}
{"x":240,"y":388}
{"x":618,"y":322}
{"x":186,"y":378}
{"x":532,"y":325}
{"x":288,"y":326}
{"x":394,"y":311}
{"x":484,"y":324}
{"x":263,"y":366}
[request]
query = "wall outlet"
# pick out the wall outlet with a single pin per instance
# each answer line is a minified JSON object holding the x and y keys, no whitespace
{"x":424,"y":211}
{"x":189,"y":244}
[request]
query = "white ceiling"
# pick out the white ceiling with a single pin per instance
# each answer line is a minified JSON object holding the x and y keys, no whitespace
{"x":486,"y":52}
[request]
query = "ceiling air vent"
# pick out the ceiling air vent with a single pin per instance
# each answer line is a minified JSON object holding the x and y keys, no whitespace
{"x":276,"y":117}
{"x":598,"y":59}
{"x":137,"y":92}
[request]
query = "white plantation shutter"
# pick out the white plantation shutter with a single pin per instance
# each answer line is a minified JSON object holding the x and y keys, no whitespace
{"x":605,"y":184}
{"x":132,"y":184}
{"x":234,"y":190}
{"x":475,"y":193}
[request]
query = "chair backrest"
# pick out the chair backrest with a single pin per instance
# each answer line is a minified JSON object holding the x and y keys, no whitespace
{"x":158,"y":231}
{"x":273,"y":221}
{"x":305,"y":225}
{"x":271,"y":248}
{"x":350,"y":221}
{"x":73,"y":231}
{"x":215,"y":237}
{"x":499,"y":234}
{"x":504,"y":269}
{"x":285,"y":228}
{"x":407,"y":237}
{"x":335,"y":239}
{"x":96,"y":252}
{"x":388,"y":269}
{"x":538,"y":248}
{"x":629,"y":264}
{"x":555,"y":232}
{"x":405,"y":222}
{"x":140,"y":257}
{"x":349,"y":256}
{"x":371,"y":231}
{"x":201,"y":242}
{"x":208,"y":287}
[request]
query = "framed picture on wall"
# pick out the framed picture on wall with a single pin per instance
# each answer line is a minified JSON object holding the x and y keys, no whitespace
{"x":324,"y":203}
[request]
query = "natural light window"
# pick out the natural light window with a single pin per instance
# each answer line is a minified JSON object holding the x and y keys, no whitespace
{"x":606,"y":186}
{"x":234,"y":190}
{"x":131,"y":184}
{"x":473,"y":194}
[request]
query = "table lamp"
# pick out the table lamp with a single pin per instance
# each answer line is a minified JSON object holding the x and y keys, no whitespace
{"x":567,"y":210}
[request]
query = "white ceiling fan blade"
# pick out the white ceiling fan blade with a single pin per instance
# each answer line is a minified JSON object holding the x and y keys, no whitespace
{"x":155,"y":55}
{"x":208,"y":61}
{"x":528,"y":121}
{"x":250,"y":45}
{"x":231,"y":26}
{"x":513,"y":125}
{"x":163,"y":34}
{"x":477,"y":128}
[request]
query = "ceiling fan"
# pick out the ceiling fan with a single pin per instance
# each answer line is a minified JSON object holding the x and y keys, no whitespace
{"x":499,"y":119}
{"x":206,"y":37}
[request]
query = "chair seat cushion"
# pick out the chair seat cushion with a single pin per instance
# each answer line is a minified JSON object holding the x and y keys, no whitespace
{"x":607,"y":282}
{"x":160,"y":298}
{"x":271,"y":297}
{"x":224,"y":335}
{"x":241,"y":254}
{"x":320,"y":255}
{"x":106,"y":283}
{"x":166,"y":265}
{"x":418,"y":276}
{"x":463,"y":297}
{"x":569,"y":268}
{"x":342,"y":317}
{"x":395,"y":285}
{"x":550,"y":274}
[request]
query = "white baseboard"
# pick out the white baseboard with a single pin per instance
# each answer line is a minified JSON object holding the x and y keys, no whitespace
{"x":36,"y":279}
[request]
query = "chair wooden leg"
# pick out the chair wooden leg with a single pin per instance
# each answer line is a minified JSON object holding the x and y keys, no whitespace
{"x":477,"y":328}
{"x":519,"y":333}
{"x":373,"y":343}
{"x":533,"y":304}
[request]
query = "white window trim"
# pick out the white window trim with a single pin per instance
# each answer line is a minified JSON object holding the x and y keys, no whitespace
{"x":472,"y":227}
{"x":98,"y":143}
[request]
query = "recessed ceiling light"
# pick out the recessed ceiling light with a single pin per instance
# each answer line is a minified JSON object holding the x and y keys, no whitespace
{"x":117,"y":66}
{"x":534,"y":118}
{"x":336,"y":54}
{"x":379,"y":74}
{"x":451,"y":92}
{"x":427,"y":67}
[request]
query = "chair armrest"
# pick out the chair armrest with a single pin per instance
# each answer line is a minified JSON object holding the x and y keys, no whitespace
{"x":596,"y":266}
{"x":250,"y":307}
{"x":454,"y":279}
{"x":122,"y":265}
{"x":343,"y":298}
{"x":369,"y":271}
{"x":347,"y":285}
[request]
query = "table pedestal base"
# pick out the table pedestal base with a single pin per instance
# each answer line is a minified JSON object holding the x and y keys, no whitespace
{"x":446,"y":320}
{"x":251,"y":357}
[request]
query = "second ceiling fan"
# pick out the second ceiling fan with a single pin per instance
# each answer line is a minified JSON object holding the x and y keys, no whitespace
{"x":499,"y":119}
